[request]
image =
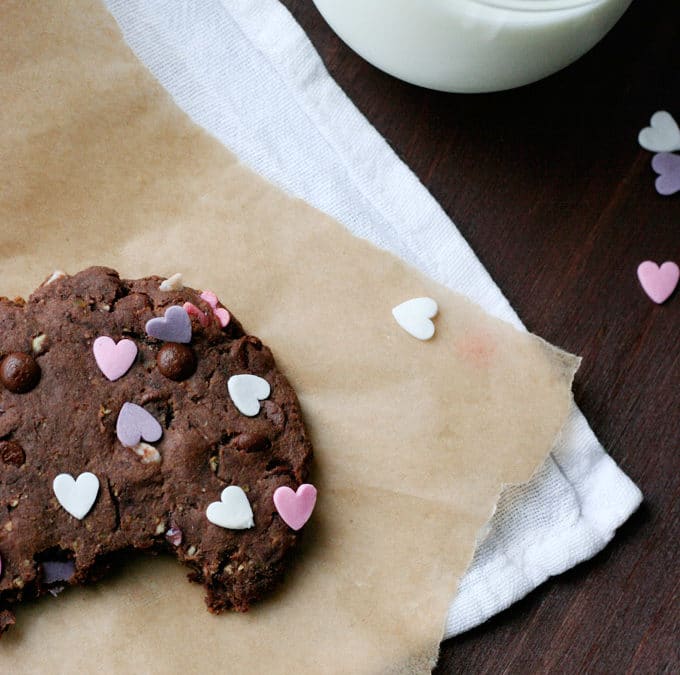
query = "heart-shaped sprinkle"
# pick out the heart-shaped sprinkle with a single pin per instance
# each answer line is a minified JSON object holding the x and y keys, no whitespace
{"x":658,"y":282}
{"x":415,"y":315}
{"x":76,"y":496}
{"x":295,"y":508}
{"x":134,"y":424}
{"x":246,"y":391}
{"x":192,"y":310}
{"x":114,"y":360}
{"x":57,"y":570}
{"x":223,"y":316}
{"x":210,"y":298}
{"x":173,"y":283}
{"x":662,"y":136}
{"x":55,"y":276}
{"x":232,"y":511}
{"x":220,"y":313}
{"x":667,"y":165}
{"x":175,"y":326}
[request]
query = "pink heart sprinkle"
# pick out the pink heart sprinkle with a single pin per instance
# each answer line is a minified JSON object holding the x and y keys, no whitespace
{"x":223,"y":316}
{"x":192,"y":310}
{"x":295,"y":508}
{"x":658,"y":282}
{"x":114,"y":360}
{"x":210,"y":298}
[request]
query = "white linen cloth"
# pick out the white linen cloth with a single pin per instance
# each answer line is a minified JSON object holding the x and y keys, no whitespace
{"x":246,"y":72}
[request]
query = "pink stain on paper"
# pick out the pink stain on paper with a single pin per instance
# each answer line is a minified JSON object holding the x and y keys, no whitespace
{"x":477,"y":349}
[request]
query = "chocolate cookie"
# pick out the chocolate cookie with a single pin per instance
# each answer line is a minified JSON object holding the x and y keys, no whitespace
{"x":138,"y":415}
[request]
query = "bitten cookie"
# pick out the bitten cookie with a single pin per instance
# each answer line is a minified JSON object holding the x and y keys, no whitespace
{"x":138,"y":415}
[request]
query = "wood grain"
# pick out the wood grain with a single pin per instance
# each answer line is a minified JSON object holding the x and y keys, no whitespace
{"x":549,"y":186}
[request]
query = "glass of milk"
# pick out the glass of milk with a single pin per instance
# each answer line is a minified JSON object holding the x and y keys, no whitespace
{"x":471,"y":45}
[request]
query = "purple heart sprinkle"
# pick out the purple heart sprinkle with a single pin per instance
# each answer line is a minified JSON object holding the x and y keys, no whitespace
{"x":135,"y":423}
{"x":175,"y":326}
{"x":57,"y":570}
{"x":668,"y":166}
{"x":174,"y":536}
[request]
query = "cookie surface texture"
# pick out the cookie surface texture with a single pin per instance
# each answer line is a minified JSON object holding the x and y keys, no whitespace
{"x":59,"y":416}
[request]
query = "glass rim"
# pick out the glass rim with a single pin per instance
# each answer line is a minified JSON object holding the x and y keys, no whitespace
{"x":537,"y":5}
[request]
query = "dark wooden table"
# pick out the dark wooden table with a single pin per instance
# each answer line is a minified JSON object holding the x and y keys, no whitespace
{"x":549,"y":186}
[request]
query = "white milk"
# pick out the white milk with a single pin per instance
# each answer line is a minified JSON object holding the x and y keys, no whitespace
{"x":471,"y":45}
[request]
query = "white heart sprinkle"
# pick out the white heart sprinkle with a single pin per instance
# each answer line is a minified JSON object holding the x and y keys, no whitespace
{"x":246,"y":391}
{"x":55,"y":276}
{"x":76,"y":496}
{"x":233,"y":511}
{"x":414,"y":317}
{"x":173,"y":283}
{"x":662,"y":136}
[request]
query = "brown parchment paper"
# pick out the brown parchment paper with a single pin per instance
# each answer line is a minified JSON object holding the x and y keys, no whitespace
{"x":413,"y":440}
